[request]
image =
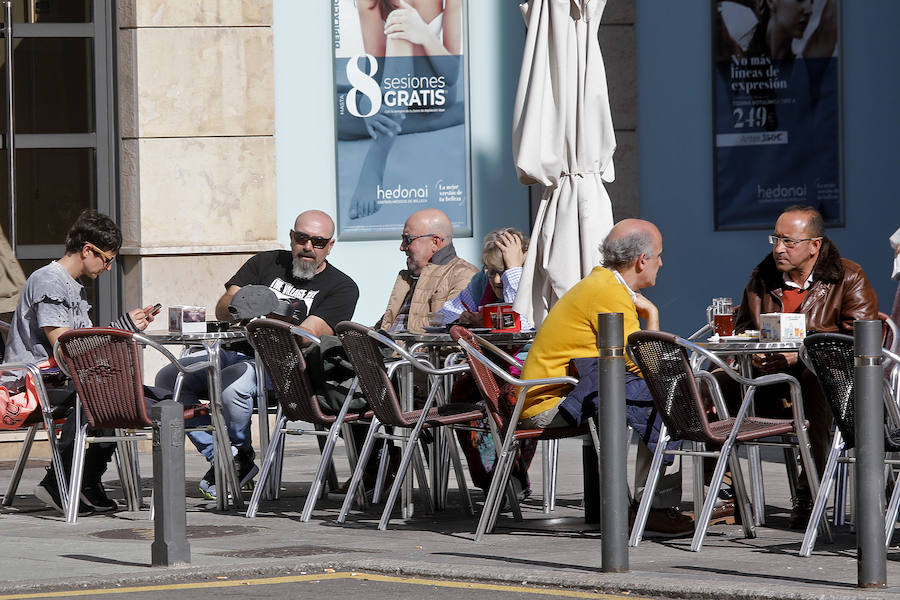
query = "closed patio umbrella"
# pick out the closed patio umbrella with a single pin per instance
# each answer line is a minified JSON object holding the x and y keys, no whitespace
{"x":563,"y":139}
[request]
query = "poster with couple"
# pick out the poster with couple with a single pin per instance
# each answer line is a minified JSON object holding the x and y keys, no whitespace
{"x":401,"y":114}
{"x":777,"y":113}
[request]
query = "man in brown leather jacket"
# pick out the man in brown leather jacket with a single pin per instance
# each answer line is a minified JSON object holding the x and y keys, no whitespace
{"x":805,"y":273}
{"x":433,"y":274}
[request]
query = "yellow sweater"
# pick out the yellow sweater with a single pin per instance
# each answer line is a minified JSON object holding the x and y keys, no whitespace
{"x":570,"y":331}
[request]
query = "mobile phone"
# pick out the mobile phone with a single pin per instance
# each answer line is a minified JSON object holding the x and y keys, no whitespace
{"x":156,"y":308}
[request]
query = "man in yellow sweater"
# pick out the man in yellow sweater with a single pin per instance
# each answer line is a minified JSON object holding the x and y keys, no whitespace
{"x":631,"y":258}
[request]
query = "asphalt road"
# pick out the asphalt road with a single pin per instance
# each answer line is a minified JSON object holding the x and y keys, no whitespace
{"x":329,"y":585}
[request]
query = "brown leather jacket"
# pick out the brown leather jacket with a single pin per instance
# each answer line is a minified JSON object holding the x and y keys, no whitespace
{"x":840,"y":293}
{"x":436,"y":285}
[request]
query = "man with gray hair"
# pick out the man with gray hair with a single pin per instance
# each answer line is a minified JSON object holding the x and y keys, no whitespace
{"x":631,"y":257}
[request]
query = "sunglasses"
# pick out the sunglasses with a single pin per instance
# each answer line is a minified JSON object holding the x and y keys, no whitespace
{"x":407,"y":239}
{"x":107,"y":258}
{"x":301,"y":238}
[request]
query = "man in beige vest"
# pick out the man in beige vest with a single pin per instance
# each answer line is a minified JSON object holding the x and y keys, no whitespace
{"x":433,"y":274}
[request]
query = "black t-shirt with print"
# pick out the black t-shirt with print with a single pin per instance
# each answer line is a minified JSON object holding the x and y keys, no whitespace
{"x":330,"y":295}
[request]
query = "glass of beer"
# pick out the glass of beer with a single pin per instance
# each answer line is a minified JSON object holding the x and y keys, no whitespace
{"x":720,"y":316}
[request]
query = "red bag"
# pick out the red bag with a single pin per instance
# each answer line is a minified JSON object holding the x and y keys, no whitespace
{"x":15,"y":409}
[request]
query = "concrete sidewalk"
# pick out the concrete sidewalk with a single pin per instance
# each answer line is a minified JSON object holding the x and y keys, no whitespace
{"x":40,"y":552}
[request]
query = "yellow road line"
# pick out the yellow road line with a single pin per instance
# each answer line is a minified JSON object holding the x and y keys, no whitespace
{"x":220,"y":583}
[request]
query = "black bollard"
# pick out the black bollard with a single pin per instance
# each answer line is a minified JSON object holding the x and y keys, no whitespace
{"x":613,"y":482}
{"x":170,"y":547}
{"x":871,"y":554}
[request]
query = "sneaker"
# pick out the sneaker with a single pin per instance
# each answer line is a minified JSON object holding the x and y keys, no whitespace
{"x":208,"y":484}
{"x":94,"y":496}
{"x":665,"y":522}
{"x":801,"y":508}
{"x":48,"y":492}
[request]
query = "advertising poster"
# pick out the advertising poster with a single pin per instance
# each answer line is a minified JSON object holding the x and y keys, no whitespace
{"x":400,"y":106}
{"x":777,"y":118}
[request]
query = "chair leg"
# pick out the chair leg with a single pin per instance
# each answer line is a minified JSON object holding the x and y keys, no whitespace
{"x":510,"y":493}
{"x":818,"y":509}
{"x":741,"y":496}
{"x":19,"y":467}
{"x":76,"y":474}
{"x":422,"y":476}
{"x":357,"y":472}
{"x":890,"y":517}
{"x":268,"y":460}
{"x":326,"y":466}
{"x":498,"y":483}
{"x":701,"y":524}
{"x":842,"y":479}
{"x":410,"y":450}
{"x":811,"y":475}
{"x":640,"y":520}
{"x":458,"y":470}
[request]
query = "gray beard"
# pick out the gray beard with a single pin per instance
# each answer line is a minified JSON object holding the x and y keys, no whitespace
{"x":303,"y":270}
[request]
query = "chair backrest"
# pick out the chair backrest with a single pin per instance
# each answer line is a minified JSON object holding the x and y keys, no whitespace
{"x":276,"y":346}
{"x":368,"y":362}
{"x":485,"y":380}
{"x":105,"y":367}
{"x":889,"y":332}
{"x":666,"y":369}
{"x":831,"y":358}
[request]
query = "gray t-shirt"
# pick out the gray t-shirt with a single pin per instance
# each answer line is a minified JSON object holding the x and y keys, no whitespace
{"x":51,"y":298}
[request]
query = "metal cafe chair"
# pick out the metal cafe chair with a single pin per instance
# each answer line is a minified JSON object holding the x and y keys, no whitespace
{"x":277,"y":345}
{"x":105,"y":368}
{"x":45,"y":417}
{"x":362,"y":345}
{"x":830,"y":356}
{"x":665,"y":365}
{"x":504,"y":419}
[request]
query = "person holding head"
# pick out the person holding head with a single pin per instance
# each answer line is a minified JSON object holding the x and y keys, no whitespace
{"x":321,"y":296}
{"x":52,"y":302}
{"x":502,"y":254}
{"x":806,"y":274}
{"x":632,"y":257}
{"x":433,"y":274}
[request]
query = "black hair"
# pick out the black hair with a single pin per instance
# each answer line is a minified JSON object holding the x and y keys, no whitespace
{"x":96,"y":228}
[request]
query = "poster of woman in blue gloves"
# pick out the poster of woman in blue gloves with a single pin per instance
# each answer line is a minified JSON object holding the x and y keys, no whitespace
{"x":401,"y":114}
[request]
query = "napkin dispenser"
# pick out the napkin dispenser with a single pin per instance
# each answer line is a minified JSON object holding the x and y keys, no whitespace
{"x":187,"y":319}
{"x":782,"y":327}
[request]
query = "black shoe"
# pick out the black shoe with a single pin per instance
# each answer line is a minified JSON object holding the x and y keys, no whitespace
{"x":94,"y":496}
{"x":48,"y":492}
{"x":245,"y":466}
{"x":801,"y":509}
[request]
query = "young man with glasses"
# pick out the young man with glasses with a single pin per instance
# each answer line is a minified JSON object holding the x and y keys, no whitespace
{"x":321,"y":296}
{"x":806,"y":274}
{"x":433,"y":274}
{"x":52,"y":302}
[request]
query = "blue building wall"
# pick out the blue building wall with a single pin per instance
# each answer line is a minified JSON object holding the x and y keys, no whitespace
{"x":676,"y":161}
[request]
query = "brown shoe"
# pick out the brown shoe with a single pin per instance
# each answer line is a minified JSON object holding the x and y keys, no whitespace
{"x":665,"y":522}
{"x":723,"y":512}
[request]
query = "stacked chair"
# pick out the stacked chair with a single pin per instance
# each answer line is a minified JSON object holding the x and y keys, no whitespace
{"x":363,"y":347}
{"x":830,"y":356}
{"x":277,"y":346}
{"x":504,"y":419}
{"x":664,"y":360}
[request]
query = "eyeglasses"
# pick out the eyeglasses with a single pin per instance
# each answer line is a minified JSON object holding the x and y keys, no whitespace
{"x":107,"y":258}
{"x":301,"y":238}
{"x":407,"y":239}
{"x":492,"y":272}
{"x":789,"y":242}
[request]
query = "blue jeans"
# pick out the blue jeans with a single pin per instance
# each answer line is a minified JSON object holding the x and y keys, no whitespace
{"x":238,"y":392}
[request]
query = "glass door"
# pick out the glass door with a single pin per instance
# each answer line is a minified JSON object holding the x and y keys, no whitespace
{"x":63,"y":130}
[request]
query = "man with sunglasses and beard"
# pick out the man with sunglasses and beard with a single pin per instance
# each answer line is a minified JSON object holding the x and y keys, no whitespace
{"x":321,"y":296}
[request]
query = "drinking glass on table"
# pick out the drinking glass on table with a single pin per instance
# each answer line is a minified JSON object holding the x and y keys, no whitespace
{"x":720,"y":316}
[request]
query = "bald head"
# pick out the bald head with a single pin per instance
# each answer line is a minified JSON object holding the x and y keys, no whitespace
{"x":310,"y":220}
{"x":428,"y":231}
{"x":431,"y":220}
